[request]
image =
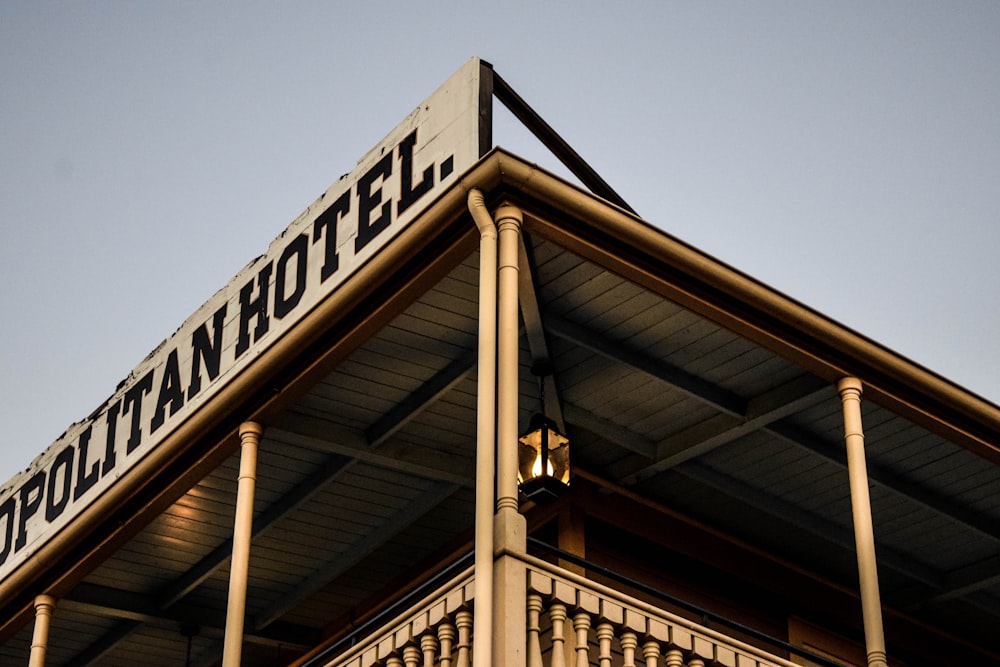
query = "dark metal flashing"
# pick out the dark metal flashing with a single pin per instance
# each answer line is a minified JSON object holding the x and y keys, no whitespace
{"x":555,"y":143}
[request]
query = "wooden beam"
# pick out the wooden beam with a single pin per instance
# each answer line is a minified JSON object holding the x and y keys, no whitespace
{"x":771,"y":406}
{"x":535,"y":332}
{"x":692,"y":385}
{"x":323,"y":436}
{"x":342,"y":562}
{"x":134,"y":610}
{"x":429,"y":392}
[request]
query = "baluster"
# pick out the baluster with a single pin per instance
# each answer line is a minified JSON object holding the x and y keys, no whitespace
{"x":446,"y":635}
{"x":696,"y":662}
{"x":651,"y":652}
{"x":429,"y":645}
{"x":605,"y":633}
{"x":581,"y":623}
{"x":628,"y":641}
{"x":675,"y":658}
{"x":534,"y":644}
{"x":463,"y":621}
{"x":393,"y":661}
{"x":557,"y":615}
{"x":411,"y":656}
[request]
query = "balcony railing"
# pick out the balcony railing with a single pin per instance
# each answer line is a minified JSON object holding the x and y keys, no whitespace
{"x":570,"y":622}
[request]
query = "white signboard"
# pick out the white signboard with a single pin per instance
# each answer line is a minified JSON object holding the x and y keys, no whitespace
{"x":355,"y":217}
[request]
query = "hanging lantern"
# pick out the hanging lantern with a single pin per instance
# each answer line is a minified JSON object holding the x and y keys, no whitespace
{"x":543,"y":460}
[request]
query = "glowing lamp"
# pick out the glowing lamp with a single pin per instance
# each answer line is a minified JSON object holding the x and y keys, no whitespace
{"x":543,"y":460}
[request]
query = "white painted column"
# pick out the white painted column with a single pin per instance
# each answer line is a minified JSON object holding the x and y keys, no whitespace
{"x":482,"y":652}
{"x":864,"y":536}
{"x":509,"y":221}
{"x":44,"y":605}
{"x":250,"y":433}
{"x":509,"y":581}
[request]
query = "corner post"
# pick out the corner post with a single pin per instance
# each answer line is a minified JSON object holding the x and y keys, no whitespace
{"x":864,"y":537}
{"x":510,"y":537}
{"x":250,"y":433}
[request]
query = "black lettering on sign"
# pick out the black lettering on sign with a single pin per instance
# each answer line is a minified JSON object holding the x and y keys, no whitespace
{"x":109,"y":443}
{"x":447,"y":166}
{"x":85,"y":480}
{"x":133,"y":402}
{"x":170,"y":392}
{"x":209,"y":352}
{"x":30,"y":494}
{"x":327,"y":220}
{"x":62,"y":469}
{"x":250,"y":308}
{"x":7,"y":518}
{"x":411,"y":193}
{"x":299,"y":249}
{"x":367,"y":200}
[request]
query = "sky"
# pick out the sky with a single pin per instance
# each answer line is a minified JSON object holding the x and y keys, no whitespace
{"x":847,"y":154}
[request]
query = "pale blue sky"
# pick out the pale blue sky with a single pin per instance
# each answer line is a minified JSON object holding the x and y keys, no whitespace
{"x":847,"y":154}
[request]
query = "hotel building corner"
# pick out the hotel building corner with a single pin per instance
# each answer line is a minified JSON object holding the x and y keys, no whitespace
{"x":464,"y":412}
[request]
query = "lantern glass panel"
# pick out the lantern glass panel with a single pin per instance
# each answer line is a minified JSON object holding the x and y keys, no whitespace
{"x":543,"y":441}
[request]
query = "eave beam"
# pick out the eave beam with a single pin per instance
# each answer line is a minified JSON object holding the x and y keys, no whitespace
{"x":429,"y":392}
{"x":534,"y":329}
{"x":889,"y":480}
{"x":302,"y":492}
{"x":133,"y":608}
{"x":323,"y":436}
{"x":817,"y":526}
{"x":337,"y":566}
{"x":219,"y":556}
{"x":762,"y":410}
{"x":695,"y":387}
{"x":367,"y":545}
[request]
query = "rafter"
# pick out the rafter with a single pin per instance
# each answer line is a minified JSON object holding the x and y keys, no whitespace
{"x":177,"y":589}
{"x":534,"y":329}
{"x":135,"y":610}
{"x":343,"y":562}
{"x":692,"y":385}
{"x":429,"y":392}
{"x":843,"y":538}
{"x":324,"y":436}
{"x":833,"y":452}
{"x":832,"y":533}
{"x":611,"y":432}
{"x":764,"y":409}
{"x":970,"y":580}
{"x":300,"y":493}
